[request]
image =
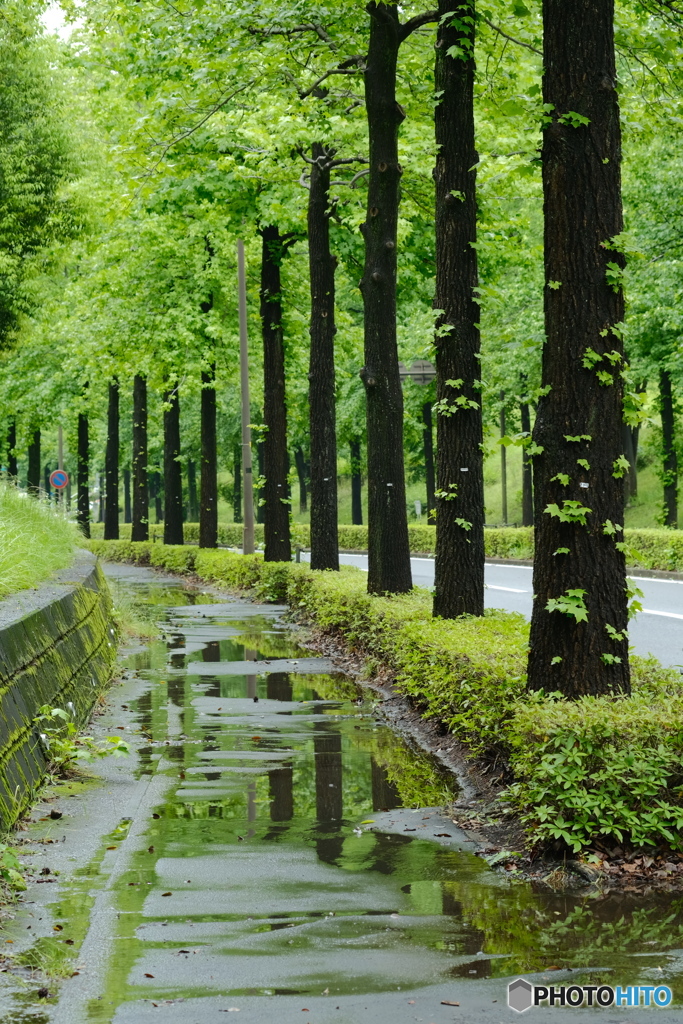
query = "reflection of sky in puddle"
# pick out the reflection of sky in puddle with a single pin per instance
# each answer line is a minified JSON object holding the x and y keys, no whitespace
{"x":253,"y":877}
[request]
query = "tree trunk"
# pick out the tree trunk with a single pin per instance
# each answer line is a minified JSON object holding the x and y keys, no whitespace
{"x":428,"y":446}
{"x":388,"y":547}
{"x":356,"y":483}
{"x":669,"y":455}
{"x":260,"y":458}
{"x":579,"y":645}
{"x":527,"y":470}
{"x":173,"y":472}
{"x":300,"y":463}
{"x":82,"y":474}
{"x":322,"y":392}
{"x":237,"y":484}
{"x":192,"y":511}
{"x":46,"y":482}
{"x":140,"y":527}
{"x":627,"y":445}
{"x":503,"y":463}
{"x":100,"y":510}
{"x":111,"y":466}
{"x":126,"y":496}
{"x":33,"y":469}
{"x":275,"y":492}
{"x":12,"y":468}
{"x":459,"y":564}
{"x":208,"y":498}
{"x":155,"y":495}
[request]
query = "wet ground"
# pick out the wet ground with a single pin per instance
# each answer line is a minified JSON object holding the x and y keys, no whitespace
{"x":272,"y":850}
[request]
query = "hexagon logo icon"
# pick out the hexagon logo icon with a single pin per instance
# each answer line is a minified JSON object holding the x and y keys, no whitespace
{"x":520,"y":995}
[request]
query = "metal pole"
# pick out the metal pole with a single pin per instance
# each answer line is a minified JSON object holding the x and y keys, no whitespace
{"x":60,"y":459}
{"x":248,"y":488}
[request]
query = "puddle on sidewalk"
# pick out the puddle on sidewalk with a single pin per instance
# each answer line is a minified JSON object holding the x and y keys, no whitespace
{"x":274,"y":862}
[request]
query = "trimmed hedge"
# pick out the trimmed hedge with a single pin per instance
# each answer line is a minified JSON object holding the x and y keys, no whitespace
{"x":608,"y":768}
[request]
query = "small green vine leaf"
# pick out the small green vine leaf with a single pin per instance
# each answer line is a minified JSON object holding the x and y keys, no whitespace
{"x":578,"y":437}
{"x":610,"y":529}
{"x":620,"y":466}
{"x":610,"y":659}
{"x":561,"y":478}
{"x":571,"y":603}
{"x":571,"y":512}
{"x":463,"y":523}
{"x":556,"y":660}
{"x":561,"y":551}
{"x":554,"y":285}
{"x":583,"y":462}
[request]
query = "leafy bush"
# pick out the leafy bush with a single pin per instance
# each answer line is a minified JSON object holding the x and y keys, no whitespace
{"x":601,"y":767}
{"x":63,"y":745}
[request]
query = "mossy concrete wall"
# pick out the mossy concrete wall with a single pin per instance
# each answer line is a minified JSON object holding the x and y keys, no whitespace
{"x":56,"y":646}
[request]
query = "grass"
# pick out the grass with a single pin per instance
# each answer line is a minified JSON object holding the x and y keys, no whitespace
{"x":35,"y":541}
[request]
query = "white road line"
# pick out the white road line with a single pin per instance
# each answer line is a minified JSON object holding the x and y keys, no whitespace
{"x":667,"y":615}
{"x":510,"y":590}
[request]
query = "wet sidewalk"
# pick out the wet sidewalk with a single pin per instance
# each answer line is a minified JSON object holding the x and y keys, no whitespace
{"x":273,"y":851}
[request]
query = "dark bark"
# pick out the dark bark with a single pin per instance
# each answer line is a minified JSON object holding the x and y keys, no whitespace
{"x":356,"y":483}
{"x":321,"y":376}
{"x":111,"y":466}
{"x":127,"y":517}
{"x":275,"y":493}
{"x":192,"y":510}
{"x":388,"y":547}
{"x":208,"y":497}
{"x":155,"y":495}
{"x":459,"y":563}
{"x":140,"y":527}
{"x":503,"y":463}
{"x":46,"y":481}
{"x":82,"y":475}
{"x":385,"y":795}
{"x":12,"y":468}
{"x":583,"y":305}
{"x":527,"y":470}
{"x":301,"y":471}
{"x":260,"y":458}
{"x":237,"y":484}
{"x":173,"y":471}
{"x":428,"y":446}
{"x":669,"y":455}
{"x":33,"y":469}
{"x":100,"y":510}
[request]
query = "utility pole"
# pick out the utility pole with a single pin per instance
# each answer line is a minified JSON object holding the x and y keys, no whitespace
{"x":248,"y":487}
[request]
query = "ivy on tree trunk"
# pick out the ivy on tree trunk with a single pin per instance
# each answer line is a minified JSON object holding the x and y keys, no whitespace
{"x":275,"y":492}
{"x":321,"y":392}
{"x":111,"y":466}
{"x":140,"y":525}
{"x":173,"y":473}
{"x":459,"y":563}
{"x":578,"y":641}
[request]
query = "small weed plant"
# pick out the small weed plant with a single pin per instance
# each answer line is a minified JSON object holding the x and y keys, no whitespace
{"x":65,"y":747}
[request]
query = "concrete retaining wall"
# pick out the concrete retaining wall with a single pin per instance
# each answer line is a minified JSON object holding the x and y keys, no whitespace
{"x":56,"y":645}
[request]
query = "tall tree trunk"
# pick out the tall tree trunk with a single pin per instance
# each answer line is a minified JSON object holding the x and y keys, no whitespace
{"x":173,"y":471}
{"x":278,"y":546}
{"x":578,"y":642}
{"x":127,"y":517}
{"x":82,"y":475}
{"x":208,"y":497}
{"x":237,"y":484}
{"x":627,"y":445}
{"x":356,"y":483}
{"x":100,"y":504}
{"x":300,"y":463}
{"x":111,"y":466}
{"x":192,"y":510}
{"x":260,"y":458}
{"x":669,"y":455}
{"x":503,"y":463}
{"x":459,"y":565}
{"x":12,"y":468}
{"x":428,"y":446}
{"x":33,"y":469}
{"x":527,"y":470}
{"x":388,"y":546}
{"x":321,"y":392}
{"x":140,"y":527}
{"x":46,"y":482}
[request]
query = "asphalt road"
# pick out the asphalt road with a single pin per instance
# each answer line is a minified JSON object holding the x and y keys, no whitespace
{"x":657,"y":630}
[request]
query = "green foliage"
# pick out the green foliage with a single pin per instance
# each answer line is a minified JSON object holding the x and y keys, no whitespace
{"x":571,"y":512}
{"x":571,"y":603}
{"x":64,"y":746}
{"x":11,"y":869}
{"x":35,"y":541}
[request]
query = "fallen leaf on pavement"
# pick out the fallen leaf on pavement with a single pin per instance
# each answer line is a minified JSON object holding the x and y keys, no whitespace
{"x":149,"y":975}
{"x":167,"y":894}
{"x":448,"y":1002}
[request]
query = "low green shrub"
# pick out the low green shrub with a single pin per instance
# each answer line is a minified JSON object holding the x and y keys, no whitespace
{"x":609,"y":768}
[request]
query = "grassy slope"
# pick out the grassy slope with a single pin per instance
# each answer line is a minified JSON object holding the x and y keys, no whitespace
{"x":35,"y":541}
